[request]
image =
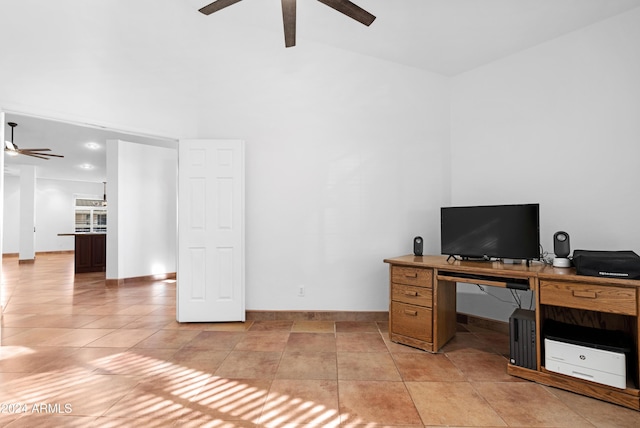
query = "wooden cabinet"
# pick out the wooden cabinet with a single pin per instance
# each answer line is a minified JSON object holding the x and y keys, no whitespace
{"x":411,"y":295}
{"x":606,"y":304}
{"x":422,"y":311}
{"x":412,"y":325}
{"x":410,"y":314}
{"x":413,"y":301}
{"x":412,"y":276}
{"x":594,"y":297}
{"x":90,"y":252}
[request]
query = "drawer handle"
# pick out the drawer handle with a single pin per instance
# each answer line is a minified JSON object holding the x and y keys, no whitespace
{"x":585,"y":294}
{"x":411,"y":275}
{"x":411,"y":293}
{"x":411,"y":313}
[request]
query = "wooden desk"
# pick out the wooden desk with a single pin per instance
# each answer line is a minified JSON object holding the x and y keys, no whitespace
{"x":422,"y":310}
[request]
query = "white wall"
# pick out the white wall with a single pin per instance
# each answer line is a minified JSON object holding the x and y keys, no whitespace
{"x":142,"y":214}
{"x":117,"y":63}
{"x":11,"y":211}
{"x":347,"y":161}
{"x":55,"y":212}
{"x":556,"y":124}
{"x":347,"y":156}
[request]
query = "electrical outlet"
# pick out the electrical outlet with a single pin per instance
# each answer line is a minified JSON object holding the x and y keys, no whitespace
{"x":301,"y":291}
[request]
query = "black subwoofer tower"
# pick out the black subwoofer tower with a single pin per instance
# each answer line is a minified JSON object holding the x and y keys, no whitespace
{"x":522,"y":329}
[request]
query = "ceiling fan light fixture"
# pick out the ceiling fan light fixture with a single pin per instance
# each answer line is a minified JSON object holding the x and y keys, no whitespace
{"x":9,"y":149}
{"x":12,"y":149}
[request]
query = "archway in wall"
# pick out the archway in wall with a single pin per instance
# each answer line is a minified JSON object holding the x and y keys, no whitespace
{"x":83,"y":166}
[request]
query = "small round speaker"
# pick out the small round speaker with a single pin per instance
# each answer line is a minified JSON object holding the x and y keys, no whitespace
{"x":417,"y":245}
{"x":561,"y":246}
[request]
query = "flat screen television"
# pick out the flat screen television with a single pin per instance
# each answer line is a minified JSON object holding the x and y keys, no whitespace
{"x":491,"y":231}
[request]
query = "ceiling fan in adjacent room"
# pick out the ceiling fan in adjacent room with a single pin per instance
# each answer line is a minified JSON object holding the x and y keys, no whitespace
{"x":12,"y":148}
{"x":289,"y":14}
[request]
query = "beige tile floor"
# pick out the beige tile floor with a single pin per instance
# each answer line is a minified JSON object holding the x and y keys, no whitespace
{"x":75,"y":353}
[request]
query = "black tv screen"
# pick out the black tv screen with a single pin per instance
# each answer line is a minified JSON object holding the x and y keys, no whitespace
{"x":491,"y":231}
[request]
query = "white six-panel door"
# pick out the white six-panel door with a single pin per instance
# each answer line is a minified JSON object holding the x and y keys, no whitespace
{"x":210,"y":273}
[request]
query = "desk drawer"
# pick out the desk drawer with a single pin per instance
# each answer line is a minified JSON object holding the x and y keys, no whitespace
{"x":419,"y":296}
{"x":600,"y":298}
{"x":411,"y":321}
{"x":412,"y":276}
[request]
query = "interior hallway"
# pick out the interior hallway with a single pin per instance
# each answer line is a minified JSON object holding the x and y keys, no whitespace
{"x":75,"y":353}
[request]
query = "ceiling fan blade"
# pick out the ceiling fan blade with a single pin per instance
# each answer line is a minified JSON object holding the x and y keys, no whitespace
{"x":289,"y":20}
{"x":217,"y":5}
{"x":35,"y":150}
{"x":35,"y":155}
{"x":351,"y":10}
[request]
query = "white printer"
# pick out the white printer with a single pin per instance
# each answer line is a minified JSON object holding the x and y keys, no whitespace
{"x":586,"y":353}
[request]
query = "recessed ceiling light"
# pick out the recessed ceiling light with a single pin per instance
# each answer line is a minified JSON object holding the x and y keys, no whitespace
{"x":86,"y":166}
{"x":93,"y":146}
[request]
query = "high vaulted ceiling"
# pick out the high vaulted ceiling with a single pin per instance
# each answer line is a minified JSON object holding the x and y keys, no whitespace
{"x":447,"y":37}
{"x":443,"y":36}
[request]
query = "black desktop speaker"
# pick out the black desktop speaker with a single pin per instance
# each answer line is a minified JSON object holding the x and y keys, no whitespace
{"x":417,"y":245}
{"x":561,"y":246}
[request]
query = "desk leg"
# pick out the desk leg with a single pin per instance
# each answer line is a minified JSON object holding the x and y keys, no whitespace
{"x":444,"y":313}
